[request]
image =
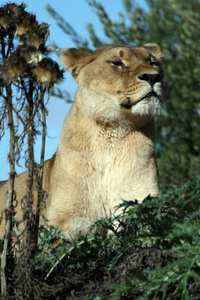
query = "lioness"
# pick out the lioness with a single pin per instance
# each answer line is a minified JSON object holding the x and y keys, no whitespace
{"x":106,"y":149}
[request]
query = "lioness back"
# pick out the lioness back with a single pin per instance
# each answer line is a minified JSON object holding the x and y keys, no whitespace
{"x":106,"y":150}
{"x":20,"y":191}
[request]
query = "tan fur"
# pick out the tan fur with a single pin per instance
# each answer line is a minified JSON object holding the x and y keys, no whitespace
{"x":106,"y":149}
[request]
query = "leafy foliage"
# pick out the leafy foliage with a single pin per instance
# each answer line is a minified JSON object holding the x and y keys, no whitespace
{"x":169,"y":224}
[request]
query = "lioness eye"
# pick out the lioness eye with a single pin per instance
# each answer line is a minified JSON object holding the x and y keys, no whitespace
{"x":153,"y":61}
{"x":117,"y":63}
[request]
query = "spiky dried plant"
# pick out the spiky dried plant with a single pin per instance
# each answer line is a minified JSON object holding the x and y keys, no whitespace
{"x":26,"y":76}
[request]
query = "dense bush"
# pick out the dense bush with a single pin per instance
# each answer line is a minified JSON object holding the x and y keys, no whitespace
{"x":164,"y":231}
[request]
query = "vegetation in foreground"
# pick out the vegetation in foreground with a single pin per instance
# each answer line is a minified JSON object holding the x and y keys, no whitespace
{"x":152,"y":253}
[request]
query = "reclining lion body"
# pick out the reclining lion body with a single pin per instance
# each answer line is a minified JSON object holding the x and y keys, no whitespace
{"x":106,"y":149}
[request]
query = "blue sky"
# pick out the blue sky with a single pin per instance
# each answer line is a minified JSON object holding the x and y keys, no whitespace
{"x":78,"y":13}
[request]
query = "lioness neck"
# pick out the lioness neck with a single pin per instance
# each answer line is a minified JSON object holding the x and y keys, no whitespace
{"x":110,"y":129}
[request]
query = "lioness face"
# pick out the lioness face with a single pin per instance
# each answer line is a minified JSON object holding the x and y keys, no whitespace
{"x":128,"y":77}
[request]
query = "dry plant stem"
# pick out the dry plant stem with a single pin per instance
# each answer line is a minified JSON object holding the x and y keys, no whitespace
{"x":29,"y":196}
{"x":24,"y":272}
{"x":9,"y":211}
{"x":41,"y":167}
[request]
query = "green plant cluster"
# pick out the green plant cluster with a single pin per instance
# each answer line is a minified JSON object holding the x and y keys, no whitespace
{"x":170,"y":224}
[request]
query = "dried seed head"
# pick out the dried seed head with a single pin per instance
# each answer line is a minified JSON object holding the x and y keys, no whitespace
{"x":25,"y":22}
{"x":36,"y":37}
{"x":47,"y":72}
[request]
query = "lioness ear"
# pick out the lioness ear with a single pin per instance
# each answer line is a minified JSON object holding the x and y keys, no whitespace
{"x":154,"y":49}
{"x":74,"y":60}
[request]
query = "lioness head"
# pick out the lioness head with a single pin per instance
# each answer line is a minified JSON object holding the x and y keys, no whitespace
{"x":126,"y":78}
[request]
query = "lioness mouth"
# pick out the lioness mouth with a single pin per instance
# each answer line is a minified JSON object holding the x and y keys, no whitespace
{"x":129,"y":104}
{"x":147,"y":96}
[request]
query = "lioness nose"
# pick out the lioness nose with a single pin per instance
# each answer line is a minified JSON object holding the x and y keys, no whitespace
{"x":150,"y":78}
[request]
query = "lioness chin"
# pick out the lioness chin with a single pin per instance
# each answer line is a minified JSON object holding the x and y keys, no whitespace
{"x":106,"y":149}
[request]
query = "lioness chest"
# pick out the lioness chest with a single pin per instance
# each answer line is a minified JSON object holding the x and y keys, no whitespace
{"x":91,"y":182}
{"x":122,"y":171}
